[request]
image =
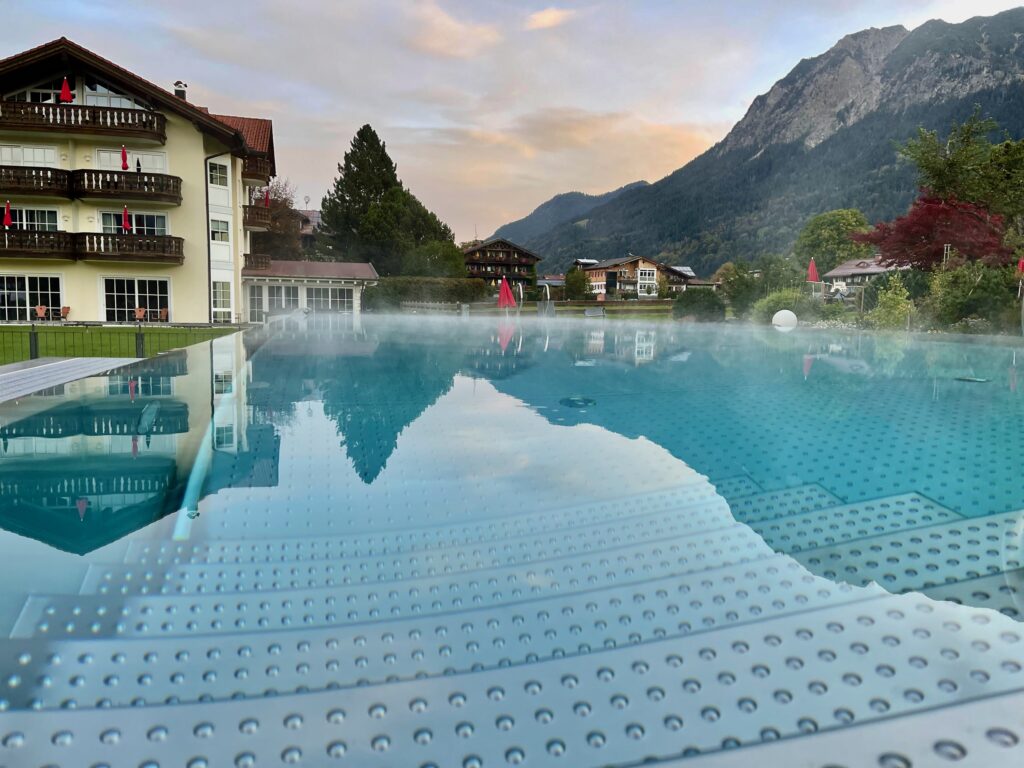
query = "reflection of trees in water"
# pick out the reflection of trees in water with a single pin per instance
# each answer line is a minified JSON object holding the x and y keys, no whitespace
{"x":373,"y":399}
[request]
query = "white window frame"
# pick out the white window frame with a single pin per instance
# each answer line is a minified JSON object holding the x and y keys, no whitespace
{"x":101,"y":283}
{"x":20,"y":209}
{"x":117,"y":218}
{"x":226,"y":231}
{"x":29,"y":304}
{"x":133,"y":154}
{"x":222,"y":310}
{"x":209,"y":174}
{"x":22,"y":164}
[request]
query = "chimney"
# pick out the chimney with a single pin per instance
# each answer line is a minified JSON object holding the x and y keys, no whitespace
{"x":179,"y":90}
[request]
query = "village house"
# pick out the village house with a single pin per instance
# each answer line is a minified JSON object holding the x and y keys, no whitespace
{"x":496,"y":258}
{"x":126,"y":201}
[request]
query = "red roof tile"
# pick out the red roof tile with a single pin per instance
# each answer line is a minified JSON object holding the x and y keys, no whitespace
{"x":258,"y":132}
{"x":324,"y":270}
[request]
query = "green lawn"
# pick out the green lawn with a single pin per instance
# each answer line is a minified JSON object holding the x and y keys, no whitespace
{"x":98,"y":341}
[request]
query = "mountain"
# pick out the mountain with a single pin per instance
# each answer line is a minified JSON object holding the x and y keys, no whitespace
{"x":561,"y":209}
{"x":823,"y":137}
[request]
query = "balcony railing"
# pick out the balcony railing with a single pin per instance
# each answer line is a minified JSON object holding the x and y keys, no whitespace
{"x":256,"y":218}
{"x":21,"y":180}
{"x":129,"y":185}
{"x":256,"y":170}
{"x":160,"y":249}
{"x":257,"y":261}
{"x":22,"y":244}
{"x":75,"y":118}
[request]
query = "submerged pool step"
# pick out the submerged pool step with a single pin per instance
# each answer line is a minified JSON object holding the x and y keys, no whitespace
{"x":146,"y":616}
{"x":256,"y":548}
{"x":737,"y":486}
{"x":324,"y":566}
{"x":859,"y":664}
{"x":770,"y":505}
{"x":926,"y":557}
{"x":1003,"y":592}
{"x":852,"y":521}
{"x":146,"y":671}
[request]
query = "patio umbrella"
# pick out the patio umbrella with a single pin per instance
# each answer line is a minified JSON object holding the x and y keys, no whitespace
{"x":124,"y":158}
{"x":126,"y":221}
{"x":135,"y":446}
{"x":132,"y":384}
{"x":8,"y":221}
{"x":82,"y":504}
{"x":66,"y":97}
{"x":266,"y":198}
{"x":505,"y":297}
{"x":1020,"y":265}
{"x":505,"y":333}
{"x":808,"y":364}
{"x":812,"y":272}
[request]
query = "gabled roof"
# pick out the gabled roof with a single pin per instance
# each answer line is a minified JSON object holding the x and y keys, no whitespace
{"x":858,"y":267}
{"x":627,"y":259}
{"x":686,"y":272}
{"x":499,"y":240}
{"x":57,"y":55}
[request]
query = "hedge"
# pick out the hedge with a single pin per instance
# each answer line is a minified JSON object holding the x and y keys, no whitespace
{"x":390,"y":292}
{"x":703,"y":304}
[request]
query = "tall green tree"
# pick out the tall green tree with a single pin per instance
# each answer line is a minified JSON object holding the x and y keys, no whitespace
{"x":439,"y":258}
{"x":368,"y":215}
{"x":826,"y":239}
{"x":577,"y":285}
{"x":740,"y":286}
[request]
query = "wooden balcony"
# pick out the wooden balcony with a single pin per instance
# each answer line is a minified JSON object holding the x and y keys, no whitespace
{"x":22,"y":180}
{"x":139,"y":124}
{"x":257,"y":261}
{"x":22,"y":244}
{"x":150,"y":249}
{"x":126,"y":185}
{"x":256,"y":171}
{"x":256,"y":218}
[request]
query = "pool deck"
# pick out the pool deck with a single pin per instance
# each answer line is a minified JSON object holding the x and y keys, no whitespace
{"x":24,"y":378}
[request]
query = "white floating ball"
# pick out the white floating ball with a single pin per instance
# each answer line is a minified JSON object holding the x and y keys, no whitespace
{"x":784,"y":320}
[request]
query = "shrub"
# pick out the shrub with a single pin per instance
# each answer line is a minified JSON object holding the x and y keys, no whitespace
{"x":793,"y":299}
{"x":390,"y":292}
{"x":974,"y":291}
{"x":893,"y":306}
{"x":703,"y":304}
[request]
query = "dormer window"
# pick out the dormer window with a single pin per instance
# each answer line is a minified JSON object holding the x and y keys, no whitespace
{"x":99,"y":95}
{"x":43,"y":93}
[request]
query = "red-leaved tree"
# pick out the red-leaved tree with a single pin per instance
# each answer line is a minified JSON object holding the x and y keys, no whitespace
{"x":919,"y":238}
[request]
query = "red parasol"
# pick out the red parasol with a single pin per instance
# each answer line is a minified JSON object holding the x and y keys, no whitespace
{"x":82,"y":505}
{"x":66,"y":97}
{"x":132,"y":384}
{"x":135,"y":446}
{"x":505,"y":333}
{"x":8,"y":221}
{"x":124,"y":158}
{"x":808,"y":364}
{"x":505,"y":297}
{"x":266,"y":198}
{"x":1020,"y":265}
{"x":812,"y":272}
{"x":126,"y":221}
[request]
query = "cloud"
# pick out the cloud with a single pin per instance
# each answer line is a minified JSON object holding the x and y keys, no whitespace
{"x":438,"y":33}
{"x":549,"y":18}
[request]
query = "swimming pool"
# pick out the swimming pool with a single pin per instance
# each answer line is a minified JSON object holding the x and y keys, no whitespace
{"x":487,"y":542}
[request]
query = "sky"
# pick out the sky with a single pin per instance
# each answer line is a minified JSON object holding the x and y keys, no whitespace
{"x":489,"y":107}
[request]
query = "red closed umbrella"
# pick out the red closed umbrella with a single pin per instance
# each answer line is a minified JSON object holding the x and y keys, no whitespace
{"x":66,"y":97}
{"x":812,"y":272}
{"x":8,"y":221}
{"x":505,"y":297}
{"x":135,"y":446}
{"x":126,"y":221}
{"x":124,"y":158}
{"x":82,"y":505}
{"x":808,"y":364}
{"x":1020,"y":265}
{"x":266,"y":198}
{"x":132,"y":384}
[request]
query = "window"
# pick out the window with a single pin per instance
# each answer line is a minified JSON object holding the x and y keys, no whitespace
{"x":218,"y":174}
{"x":142,"y":223}
{"x":224,"y":437}
{"x":221,"y":302}
{"x":146,"y":386}
{"x":97,"y":95}
{"x":322,"y":299}
{"x":646,"y":275}
{"x":147,"y":162}
{"x":36,"y":157}
{"x":220,"y":231}
{"x":123,"y":294}
{"x":19,"y":294}
{"x":43,"y":93}
{"x":223,"y":383}
{"x":34,"y":219}
{"x":256,"y":311}
{"x":283,"y":297}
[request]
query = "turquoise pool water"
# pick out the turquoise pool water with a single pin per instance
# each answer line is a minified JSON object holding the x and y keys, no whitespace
{"x":452,"y":542}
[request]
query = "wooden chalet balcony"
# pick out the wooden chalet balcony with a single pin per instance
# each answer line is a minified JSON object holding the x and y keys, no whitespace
{"x":126,"y":185}
{"x":256,"y":218}
{"x":256,"y":171}
{"x":257,"y":261}
{"x":22,"y":180}
{"x":155,"y":249}
{"x":22,"y":244}
{"x":140,"y":124}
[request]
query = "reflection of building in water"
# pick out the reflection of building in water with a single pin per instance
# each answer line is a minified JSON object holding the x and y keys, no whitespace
{"x":499,"y":353}
{"x":112,"y":454}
